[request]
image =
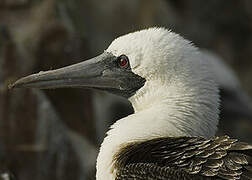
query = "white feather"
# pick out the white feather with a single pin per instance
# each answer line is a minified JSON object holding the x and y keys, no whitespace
{"x":179,"y":98}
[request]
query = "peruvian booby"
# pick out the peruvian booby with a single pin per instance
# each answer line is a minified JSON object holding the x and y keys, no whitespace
{"x":176,"y":101}
{"x":235,"y":111}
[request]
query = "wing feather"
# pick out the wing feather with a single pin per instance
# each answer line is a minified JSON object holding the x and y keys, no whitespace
{"x":143,"y":171}
{"x":217,"y":158}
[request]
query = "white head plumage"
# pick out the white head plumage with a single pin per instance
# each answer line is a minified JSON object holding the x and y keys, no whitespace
{"x":179,"y":98}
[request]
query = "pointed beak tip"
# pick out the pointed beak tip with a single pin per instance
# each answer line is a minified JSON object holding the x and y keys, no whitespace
{"x":16,"y":84}
{"x":13,"y":85}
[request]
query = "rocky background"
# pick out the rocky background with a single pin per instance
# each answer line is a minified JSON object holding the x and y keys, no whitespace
{"x":55,"y":134}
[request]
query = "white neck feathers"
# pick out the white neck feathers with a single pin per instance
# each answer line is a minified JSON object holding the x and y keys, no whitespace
{"x":179,"y":98}
{"x":161,"y":114}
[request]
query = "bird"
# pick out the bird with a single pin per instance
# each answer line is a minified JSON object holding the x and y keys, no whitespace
{"x":236,"y":105}
{"x":171,"y":134}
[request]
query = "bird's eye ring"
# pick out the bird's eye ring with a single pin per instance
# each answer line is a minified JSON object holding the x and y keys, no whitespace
{"x":123,"y":61}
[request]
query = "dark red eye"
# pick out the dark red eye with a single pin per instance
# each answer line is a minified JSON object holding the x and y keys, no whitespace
{"x":123,"y":61}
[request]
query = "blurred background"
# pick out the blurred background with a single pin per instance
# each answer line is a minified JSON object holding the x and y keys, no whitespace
{"x":55,"y":134}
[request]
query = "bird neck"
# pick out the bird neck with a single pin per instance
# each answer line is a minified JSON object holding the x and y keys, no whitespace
{"x":189,"y":108}
{"x":140,"y":126}
{"x":161,"y":114}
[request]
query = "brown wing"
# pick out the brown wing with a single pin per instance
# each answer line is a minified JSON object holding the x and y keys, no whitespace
{"x":187,"y":157}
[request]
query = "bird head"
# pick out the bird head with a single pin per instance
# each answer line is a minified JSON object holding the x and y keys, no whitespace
{"x":146,"y":66}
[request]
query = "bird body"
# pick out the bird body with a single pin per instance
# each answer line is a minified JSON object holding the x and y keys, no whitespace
{"x":176,"y":104}
{"x":175,"y":100}
{"x":185,"y":158}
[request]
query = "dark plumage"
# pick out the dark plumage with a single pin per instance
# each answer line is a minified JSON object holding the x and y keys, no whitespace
{"x":185,"y":158}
